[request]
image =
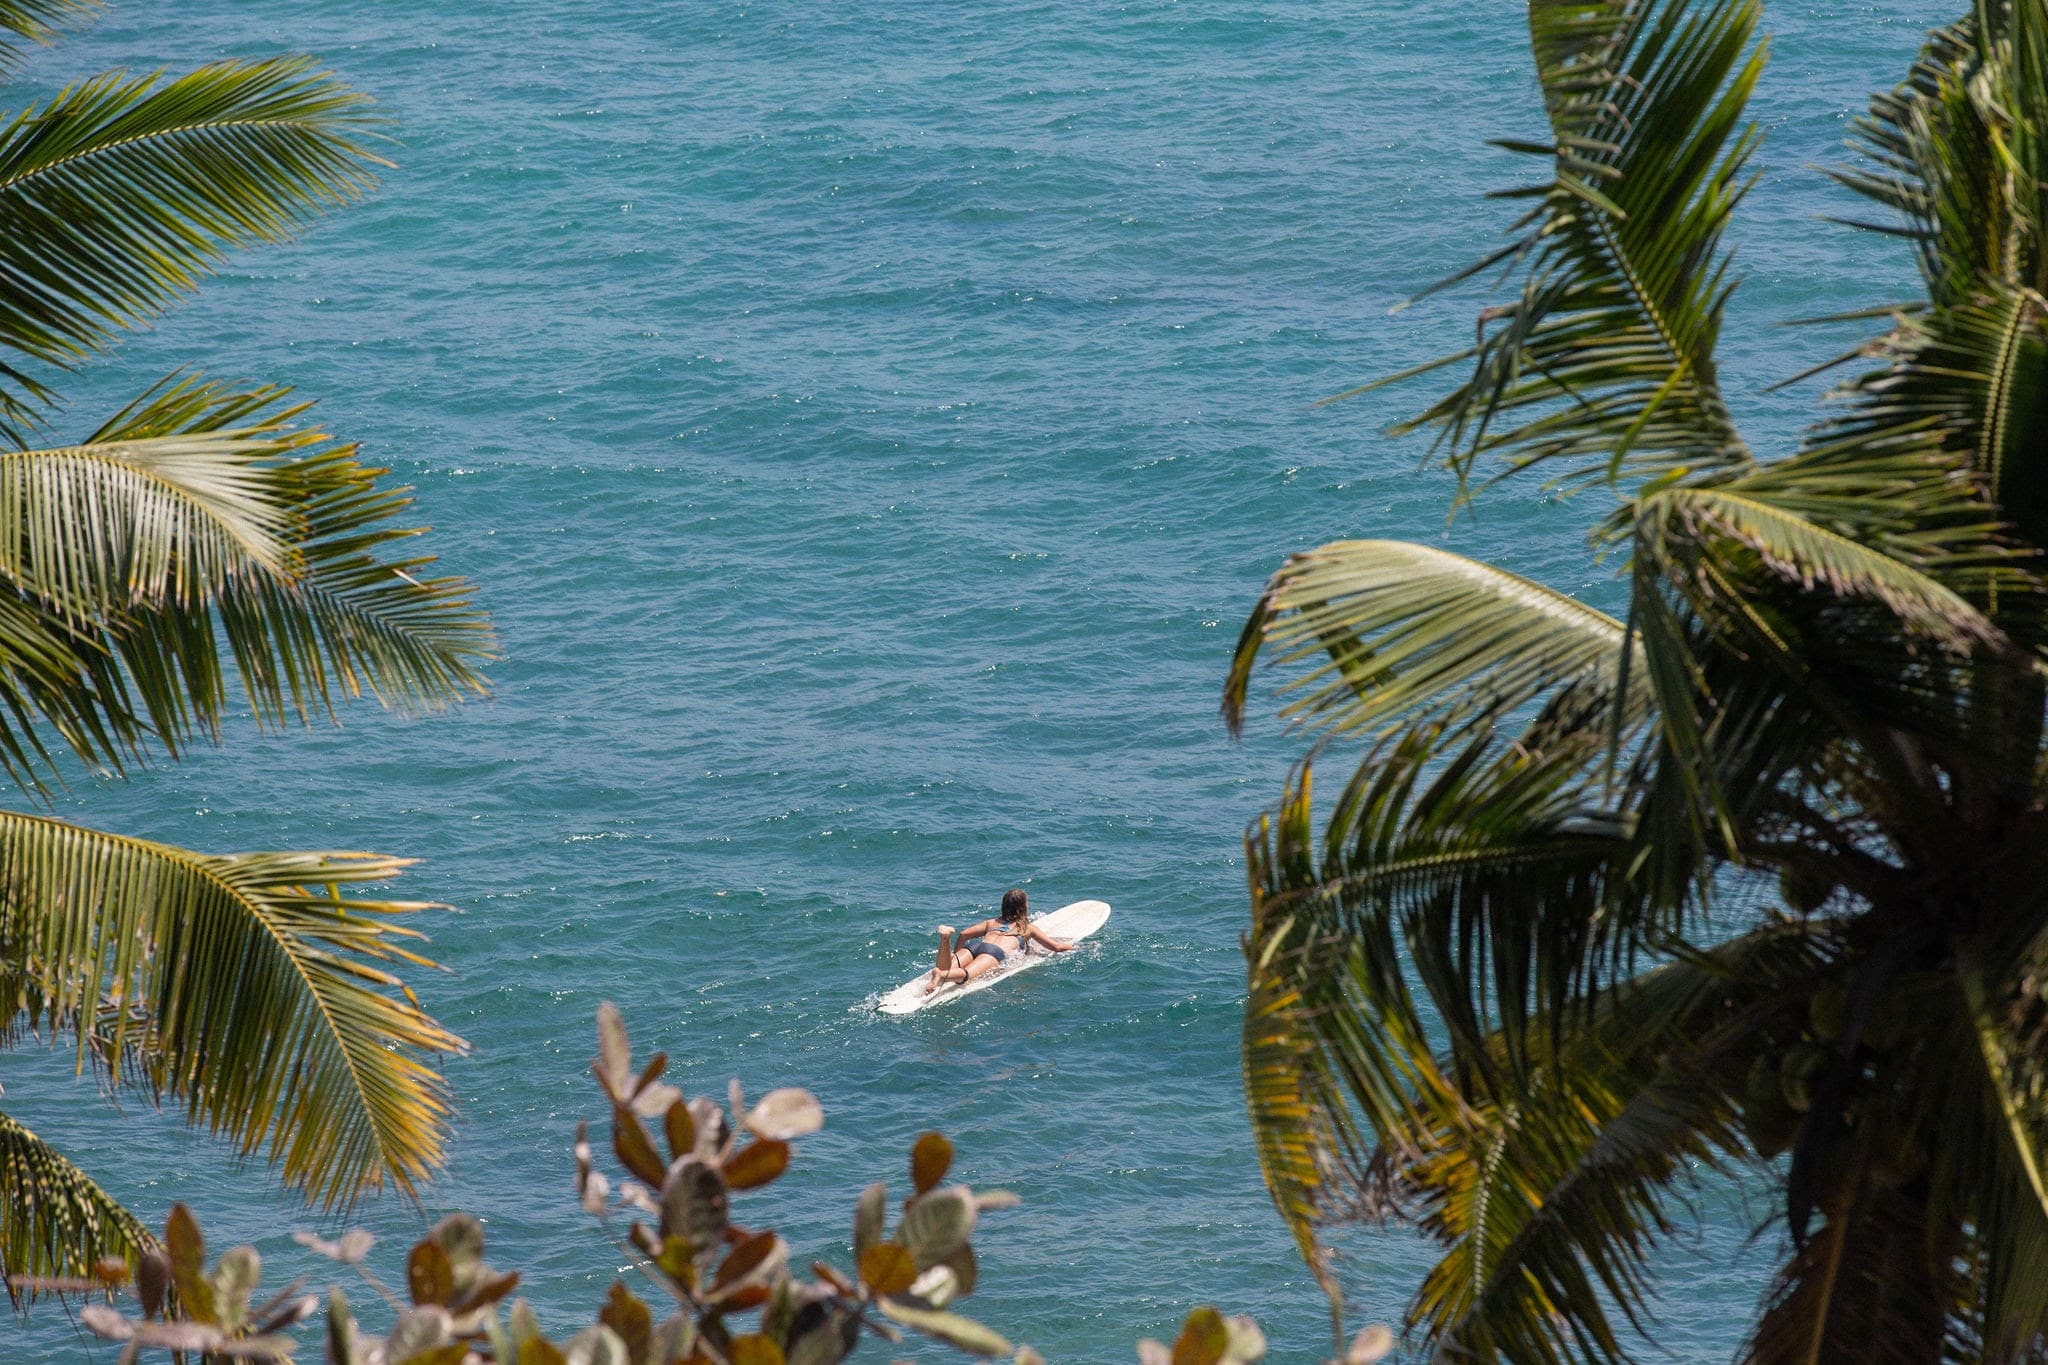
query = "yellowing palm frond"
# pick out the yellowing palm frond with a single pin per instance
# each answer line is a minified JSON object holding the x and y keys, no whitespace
{"x":1551,"y":1197}
{"x":246,"y":987}
{"x":55,"y":1221}
{"x":1443,"y":855}
{"x":200,"y":517}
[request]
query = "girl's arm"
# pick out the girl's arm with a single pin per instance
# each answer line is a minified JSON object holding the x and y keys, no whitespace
{"x":1058,"y":945}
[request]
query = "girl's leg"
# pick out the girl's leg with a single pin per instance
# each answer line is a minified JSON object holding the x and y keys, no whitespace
{"x":982,"y":965}
{"x":944,"y":967}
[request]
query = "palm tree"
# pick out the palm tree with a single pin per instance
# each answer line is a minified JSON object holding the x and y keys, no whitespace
{"x":1752,"y":880}
{"x":197,"y":536}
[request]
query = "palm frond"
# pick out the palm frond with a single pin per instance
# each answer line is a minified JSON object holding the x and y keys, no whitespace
{"x":357,"y":619}
{"x":1971,"y":379}
{"x":120,"y":193}
{"x":1992,"y":1165}
{"x":1866,"y":1287}
{"x":1407,"y":628}
{"x":1552,"y":1197}
{"x":1958,"y":154}
{"x":1920,"y":154}
{"x":96,"y":529}
{"x":1479,"y":861}
{"x":55,"y":1220}
{"x":197,"y":518}
{"x":1308,"y":1147}
{"x":30,"y":23}
{"x":1809,"y":610}
{"x":249,"y":986}
{"x":54,"y":676}
{"x":1935,"y":1225}
{"x":1545,"y":1178}
{"x":1604,"y":362}
{"x":1788,"y":541}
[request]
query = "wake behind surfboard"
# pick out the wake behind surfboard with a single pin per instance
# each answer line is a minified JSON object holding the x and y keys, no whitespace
{"x":1074,"y":922}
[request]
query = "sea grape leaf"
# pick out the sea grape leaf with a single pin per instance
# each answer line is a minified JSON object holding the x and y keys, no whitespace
{"x":787,"y":1114}
{"x":756,"y":1164}
{"x":938,"y":1224}
{"x":931,"y":1156}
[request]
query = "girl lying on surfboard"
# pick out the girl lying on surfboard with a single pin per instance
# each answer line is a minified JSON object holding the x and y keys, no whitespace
{"x":981,"y":948}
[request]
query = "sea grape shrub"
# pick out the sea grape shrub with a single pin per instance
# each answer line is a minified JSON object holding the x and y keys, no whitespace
{"x":190,"y":1309}
{"x":723,"y":1292}
{"x":716,"y":1271}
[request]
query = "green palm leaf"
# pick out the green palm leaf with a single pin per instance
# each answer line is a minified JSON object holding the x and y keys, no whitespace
{"x":1972,"y":378}
{"x":32,"y":22}
{"x":1957,"y":154}
{"x":1409,"y":628}
{"x":247,"y":987}
{"x":1552,"y":1198}
{"x":57,"y":676}
{"x":1605,"y":359}
{"x":1472,"y":860}
{"x":120,"y":193}
{"x":1686,"y":522}
{"x":1832,"y":671}
{"x":55,"y":1221}
{"x":200,"y":517}
{"x":96,"y":529}
{"x":1907,"y":162}
{"x":1993,"y":1141}
{"x":1935,"y":1220}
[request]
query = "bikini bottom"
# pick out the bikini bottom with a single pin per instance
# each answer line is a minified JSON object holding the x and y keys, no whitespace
{"x":981,"y":946}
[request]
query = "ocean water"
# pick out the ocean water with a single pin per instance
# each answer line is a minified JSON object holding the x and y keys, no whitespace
{"x":869,"y":424}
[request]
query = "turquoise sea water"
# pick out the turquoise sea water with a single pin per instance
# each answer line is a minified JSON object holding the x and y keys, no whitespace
{"x":869,"y":424}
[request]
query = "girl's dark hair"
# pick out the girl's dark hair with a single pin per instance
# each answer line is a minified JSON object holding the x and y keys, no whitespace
{"x":1014,"y":907}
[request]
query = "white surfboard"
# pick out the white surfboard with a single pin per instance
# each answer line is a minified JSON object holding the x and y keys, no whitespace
{"x":1074,"y":922}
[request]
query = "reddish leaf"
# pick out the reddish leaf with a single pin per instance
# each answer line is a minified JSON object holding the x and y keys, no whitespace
{"x":756,"y":1164}
{"x":888,"y":1268}
{"x":746,"y":1259}
{"x":626,"y":1315}
{"x":1204,"y":1337}
{"x":429,"y":1274}
{"x":833,"y":1277}
{"x":152,"y":1281}
{"x":682,"y":1131}
{"x":634,"y":1151}
{"x":754,"y":1349}
{"x":489,"y":1290}
{"x":931,"y":1156}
